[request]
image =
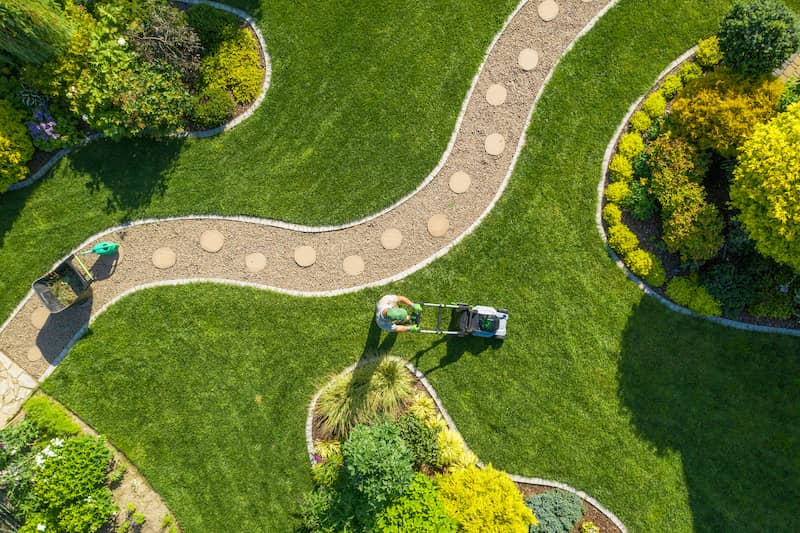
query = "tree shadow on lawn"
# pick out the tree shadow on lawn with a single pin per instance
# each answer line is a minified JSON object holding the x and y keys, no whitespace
{"x":729,"y":402}
{"x":11,"y":205}
{"x":133,"y":171}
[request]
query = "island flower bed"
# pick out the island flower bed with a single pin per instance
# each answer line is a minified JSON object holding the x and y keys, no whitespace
{"x":683,"y":202}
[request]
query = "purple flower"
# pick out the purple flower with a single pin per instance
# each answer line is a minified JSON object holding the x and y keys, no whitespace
{"x":318,"y":459}
{"x":42,"y":127}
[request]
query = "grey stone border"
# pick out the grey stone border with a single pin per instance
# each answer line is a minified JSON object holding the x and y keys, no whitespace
{"x":39,"y":174}
{"x":452,"y":425}
{"x":601,"y":186}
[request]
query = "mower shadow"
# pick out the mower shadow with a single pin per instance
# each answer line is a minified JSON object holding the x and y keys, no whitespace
{"x":455,"y":346}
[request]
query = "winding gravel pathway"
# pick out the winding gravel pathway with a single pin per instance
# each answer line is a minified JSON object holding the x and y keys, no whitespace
{"x":322,"y":261}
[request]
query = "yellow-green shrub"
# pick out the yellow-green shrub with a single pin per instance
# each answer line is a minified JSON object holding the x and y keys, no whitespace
{"x":452,"y":451}
{"x":631,"y":145}
{"x":689,"y":71}
{"x":482,"y":500}
{"x":16,"y":147}
{"x":612,"y":214}
{"x":640,"y":121}
{"x":647,"y":266}
{"x":617,"y":192}
{"x":235,"y":66}
{"x":720,"y":110}
{"x":685,"y":291}
{"x":766,"y":187}
{"x":672,"y":84}
{"x":655,"y":105}
{"x":620,"y":168}
{"x":621,"y":239}
{"x":708,"y":53}
{"x":657,"y":276}
{"x":694,"y":231}
{"x":423,"y":407}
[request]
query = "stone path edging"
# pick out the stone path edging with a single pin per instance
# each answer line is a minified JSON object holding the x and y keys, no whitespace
{"x":39,"y":174}
{"x":450,"y":424}
{"x":601,"y":186}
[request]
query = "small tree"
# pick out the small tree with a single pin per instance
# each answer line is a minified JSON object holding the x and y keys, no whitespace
{"x":757,"y":36}
{"x":766,"y":187}
{"x":31,"y":31}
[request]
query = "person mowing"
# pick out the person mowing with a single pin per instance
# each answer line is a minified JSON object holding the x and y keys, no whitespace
{"x":391,"y":317}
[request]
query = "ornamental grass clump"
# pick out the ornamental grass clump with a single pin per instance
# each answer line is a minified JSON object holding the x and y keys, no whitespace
{"x":453,"y":452}
{"x":364,"y":395}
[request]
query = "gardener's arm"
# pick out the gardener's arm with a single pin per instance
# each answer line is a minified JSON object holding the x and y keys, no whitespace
{"x":405,"y":301}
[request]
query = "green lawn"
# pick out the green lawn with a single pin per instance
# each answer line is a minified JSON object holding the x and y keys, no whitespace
{"x":674,"y":423}
{"x":363,"y":101}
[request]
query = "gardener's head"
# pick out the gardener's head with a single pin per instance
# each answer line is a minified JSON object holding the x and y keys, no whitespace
{"x":396,"y":314}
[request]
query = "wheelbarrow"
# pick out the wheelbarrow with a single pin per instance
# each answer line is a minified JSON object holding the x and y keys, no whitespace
{"x":69,"y":282}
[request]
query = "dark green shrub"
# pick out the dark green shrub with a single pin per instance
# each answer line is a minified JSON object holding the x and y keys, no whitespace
{"x":378,"y":465}
{"x":734,"y":289}
{"x":315,"y":509}
{"x":791,"y":94}
{"x":640,"y":203}
{"x":212,"y":108}
{"x":51,"y":419}
{"x":757,"y":36}
{"x":235,"y":66}
{"x":421,"y":439}
{"x":557,"y":511}
{"x":212,"y":25}
{"x":420,"y":510}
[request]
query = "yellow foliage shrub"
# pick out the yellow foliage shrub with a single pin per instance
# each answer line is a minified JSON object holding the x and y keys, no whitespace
{"x":620,"y":168}
{"x":655,"y":105}
{"x":617,"y":192}
{"x":631,"y":145}
{"x":621,"y":239}
{"x":640,"y":121}
{"x":452,"y":450}
{"x":708,"y":53}
{"x":612,"y":214}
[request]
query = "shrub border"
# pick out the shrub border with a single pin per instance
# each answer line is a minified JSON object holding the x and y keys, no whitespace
{"x":452,"y":425}
{"x":601,"y":187}
{"x":39,"y":174}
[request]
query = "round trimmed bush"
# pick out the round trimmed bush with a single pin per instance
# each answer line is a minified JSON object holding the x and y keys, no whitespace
{"x":617,"y":192}
{"x":620,"y":168}
{"x":612,"y":214}
{"x":708,"y":54}
{"x":420,"y":510}
{"x":689,"y":71}
{"x":757,"y":36}
{"x":640,"y":121}
{"x":557,"y":511}
{"x":630,"y":145}
{"x":655,"y":105}
{"x":621,"y":239}
{"x":672,"y":84}
{"x":212,"y":107}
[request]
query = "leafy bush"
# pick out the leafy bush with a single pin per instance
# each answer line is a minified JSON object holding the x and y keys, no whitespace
{"x":775,"y":306}
{"x":327,"y":463}
{"x":16,"y":148}
{"x":235,"y":66}
{"x":212,"y":25}
{"x":790,"y":95}
{"x":672,"y":162}
{"x":694,"y":231}
{"x":315,"y":508}
{"x":453,"y":453}
{"x":647,"y":266}
{"x":689,"y":71}
{"x":69,"y":491}
{"x":708,"y":54}
{"x":620,"y":168}
{"x":757,"y":36}
{"x":369,"y":392}
{"x":377,"y":464}
{"x":164,"y":37}
{"x":657,"y":275}
{"x":612,"y":214}
{"x":720,"y":110}
{"x":685,"y":291}
{"x":421,"y":440}
{"x":733,"y":288}
{"x":557,"y":511}
{"x":640,"y":121}
{"x":766,"y":188}
{"x":617,"y":192}
{"x":671,"y":85}
{"x":420,"y":510}
{"x":621,"y":239}
{"x":655,"y":105}
{"x":212,"y":108}
{"x":423,"y":407}
{"x":16,"y":440}
{"x":50,"y":418}
{"x":630,"y":145}
{"x":640,"y":203}
{"x":484,"y":499}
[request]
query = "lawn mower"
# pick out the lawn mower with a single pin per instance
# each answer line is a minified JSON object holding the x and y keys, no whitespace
{"x":68,"y":283}
{"x":478,"y":320}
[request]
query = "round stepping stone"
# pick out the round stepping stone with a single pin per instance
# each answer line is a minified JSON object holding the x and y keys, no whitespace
{"x":459,"y":182}
{"x":495,"y":144}
{"x":212,"y":241}
{"x":34,"y":354}
{"x":305,"y":256}
{"x":496,"y":94}
{"x":164,"y":258}
{"x":528,"y":59}
{"x":255,"y":262}
{"x":548,"y":10}
{"x":438,"y":225}
{"x":353,"y":265}
{"x":39,"y":317}
{"x":391,"y":239}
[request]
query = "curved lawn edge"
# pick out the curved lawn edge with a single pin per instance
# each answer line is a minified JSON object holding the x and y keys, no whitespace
{"x":452,"y":425}
{"x":251,"y":23}
{"x":601,"y":187}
